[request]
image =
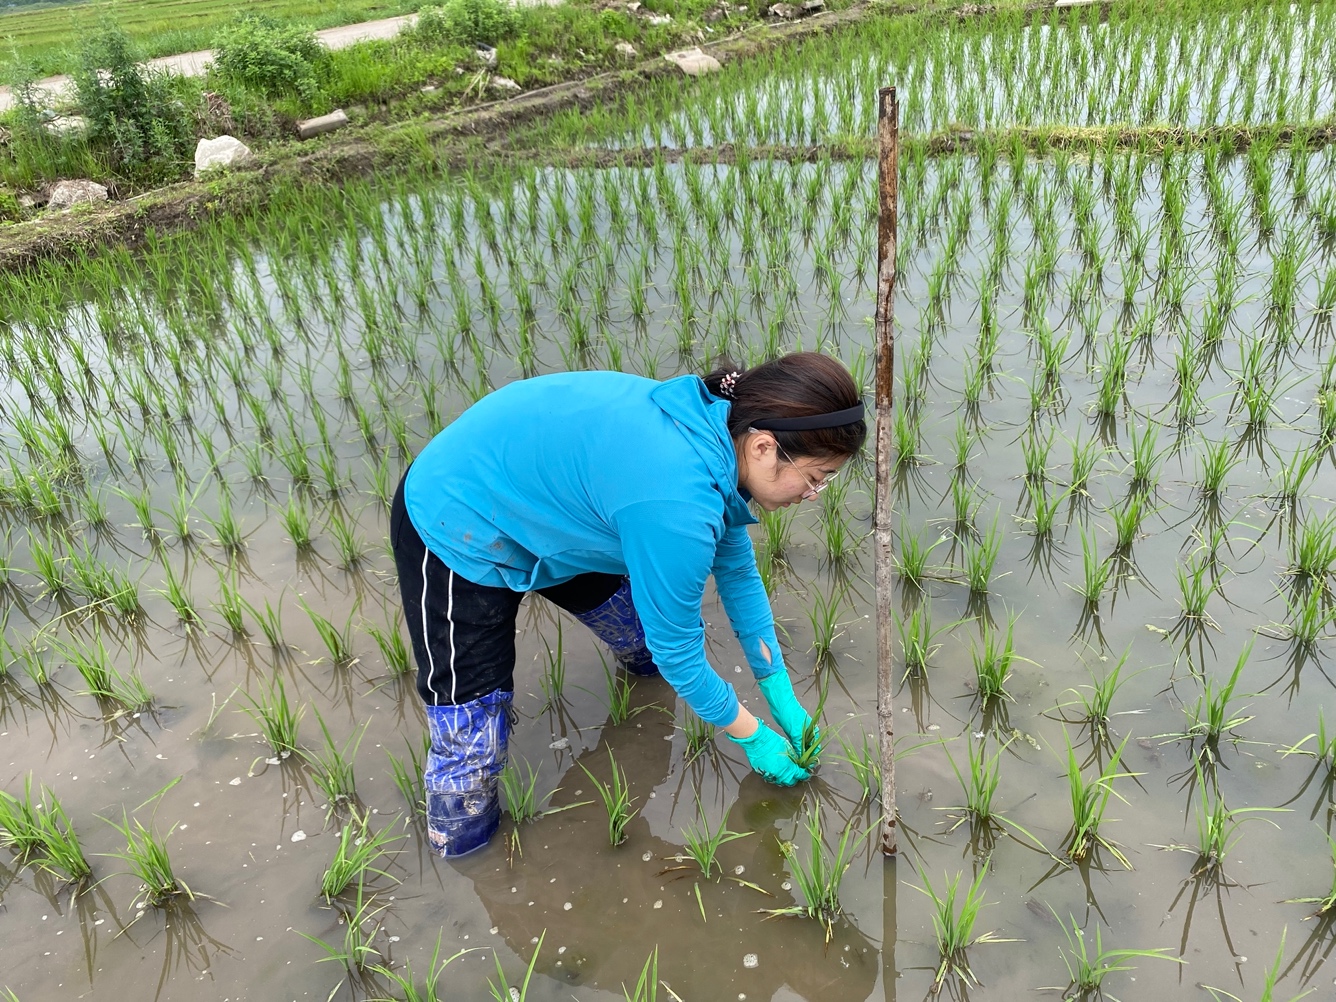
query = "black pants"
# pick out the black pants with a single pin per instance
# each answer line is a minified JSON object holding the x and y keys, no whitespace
{"x":464,"y":633}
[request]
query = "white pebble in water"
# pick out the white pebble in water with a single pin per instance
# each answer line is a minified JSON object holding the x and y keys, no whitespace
{"x":235,"y":782}
{"x":561,"y":744}
{"x":659,"y":903}
{"x":750,"y":961}
{"x":739,"y":870}
{"x":787,"y":885}
{"x":298,"y":836}
{"x":567,"y":906}
{"x":515,"y":995}
{"x":560,"y":950}
{"x":647,"y":857}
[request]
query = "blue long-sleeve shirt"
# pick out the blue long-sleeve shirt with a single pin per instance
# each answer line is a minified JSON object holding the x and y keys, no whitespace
{"x":568,"y":473}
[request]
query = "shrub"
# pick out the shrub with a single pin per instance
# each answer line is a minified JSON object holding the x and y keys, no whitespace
{"x":467,"y":22}
{"x":272,"y":58}
{"x":134,"y":116}
{"x":9,"y":207}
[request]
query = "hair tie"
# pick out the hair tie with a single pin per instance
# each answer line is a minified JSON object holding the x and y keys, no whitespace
{"x":727,"y":384}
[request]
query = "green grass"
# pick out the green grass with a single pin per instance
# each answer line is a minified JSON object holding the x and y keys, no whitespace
{"x":501,"y":988}
{"x":332,"y":768}
{"x":42,"y":36}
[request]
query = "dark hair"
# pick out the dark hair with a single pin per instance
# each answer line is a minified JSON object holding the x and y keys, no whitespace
{"x":800,"y":384}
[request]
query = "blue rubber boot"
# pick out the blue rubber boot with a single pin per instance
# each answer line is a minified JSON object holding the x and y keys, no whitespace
{"x":468,"y":752}
{"x":616,"y":624}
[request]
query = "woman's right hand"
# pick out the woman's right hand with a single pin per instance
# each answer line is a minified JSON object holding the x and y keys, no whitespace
{"x":771,"y":755}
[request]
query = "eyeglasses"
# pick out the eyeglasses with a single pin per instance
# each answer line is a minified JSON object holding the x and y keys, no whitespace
{"x":813,"y":489}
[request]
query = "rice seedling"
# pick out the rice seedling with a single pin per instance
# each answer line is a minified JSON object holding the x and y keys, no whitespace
{"x":338,"y":641}
{"x":826,"y":628}
{"x":992,"y":663}
{"x":332,"y":769}
{"x":94,"y":664}
{"x":1086,"y":971}
{"x":864,"y":761}
{"x":1090,"y":801}
{"x":699,"y":735}
{"x":1145,"y":458}
{"x":1268,"y":981}
{"x":1214,"y":465}
{"x":297,"y":522}
{"x":146,"y":853}
{"x":1085,"y":455}
{"x":21,"y":822}
{"x":820,"y":873}
{"x":504,"y":991}
{"x":1313,"y":548}
{"x":980,"y":558}
{"x":911,"y":563}
{"x":358,"y":852}
{"x":174,"y":591}
{"x":954,"y":926}
{"x":1325,"y":904}
{"x":278,"y":719}
{"x":49,"y":568}
{"x":554,"y":671}
{"x":647,"y":985}
{"x":617,"y":800}
{"x":1127,"y":522}
{"x":776,"y":532}
{"x":58,"y":850}
{"x":1096,"y":572}
{"x":1311,"y":616}
{"x":703,"y":841}
{"x":1292,"y":478}
{"x":361,"y":925}
{"x":406,"y":984}
{"x":1217,"y":828}
{"x":409,"y":778}
{"x":619,"y":689}
{"x":1035,"y":452}
{"x":270,"y":621}
{"x":350,"y":548}
{"x":393,"y":650}
{"x":226,"y":528}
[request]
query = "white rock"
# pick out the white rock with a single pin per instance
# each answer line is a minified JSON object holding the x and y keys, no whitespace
{"x":750,"y":961}
{"x":67,"y":125}
{"x":693,"y":62}
{"x":626,"y":50}
{"x":234,"y":782}
{"x":657,"y":19}
{"x":504,"y":83}
{"x":221,"y":151}
{"x":560,"y":744}
{"x":299,"y":836}
{"x":325,"y":123}
{"x":486,"y":55}
{"x":67,"y":193}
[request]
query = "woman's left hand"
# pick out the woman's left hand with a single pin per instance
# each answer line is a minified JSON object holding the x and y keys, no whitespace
{"x":788,"y":713}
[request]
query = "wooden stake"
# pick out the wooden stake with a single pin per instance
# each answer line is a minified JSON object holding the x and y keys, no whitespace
{"x":888,"y":141}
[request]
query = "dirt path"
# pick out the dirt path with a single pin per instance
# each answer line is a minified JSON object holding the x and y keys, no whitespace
{"x":194,"y":64}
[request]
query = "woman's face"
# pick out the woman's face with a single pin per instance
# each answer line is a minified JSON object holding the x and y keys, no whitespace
{"x":775,"y":480}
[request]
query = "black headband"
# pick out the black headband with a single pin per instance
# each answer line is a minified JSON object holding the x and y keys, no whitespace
{"x":813,"y":422}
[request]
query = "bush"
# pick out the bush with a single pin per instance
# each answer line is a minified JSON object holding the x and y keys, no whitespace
{"x":261,"y":54}
{"x":134,"y":116}
{"x":467,"y":22}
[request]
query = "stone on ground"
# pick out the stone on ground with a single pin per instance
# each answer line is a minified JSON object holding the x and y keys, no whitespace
{"x":221,"y":151}
{"x":693,"y":62}
{"x":68,"y":193}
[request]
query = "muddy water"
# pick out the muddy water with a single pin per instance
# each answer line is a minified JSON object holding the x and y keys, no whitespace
{"x":252,"y":838}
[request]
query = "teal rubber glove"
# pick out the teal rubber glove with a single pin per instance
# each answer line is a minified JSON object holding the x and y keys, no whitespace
{"x":789,"y":714}
{"x":772,"y":756}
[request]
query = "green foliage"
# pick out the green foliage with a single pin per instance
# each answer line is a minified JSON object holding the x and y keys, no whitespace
{"x":134,"y":116}
{"x":467,"y":22}
{"x":269,"y":57}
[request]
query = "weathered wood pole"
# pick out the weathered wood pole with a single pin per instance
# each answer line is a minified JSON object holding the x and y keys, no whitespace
{"x":888,"y":141}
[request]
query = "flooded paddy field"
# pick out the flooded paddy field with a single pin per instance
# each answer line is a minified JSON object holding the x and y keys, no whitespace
{"x":1116,"y":405}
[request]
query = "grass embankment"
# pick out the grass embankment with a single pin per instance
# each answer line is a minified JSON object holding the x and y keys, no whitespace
{"x":42,"y":38}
